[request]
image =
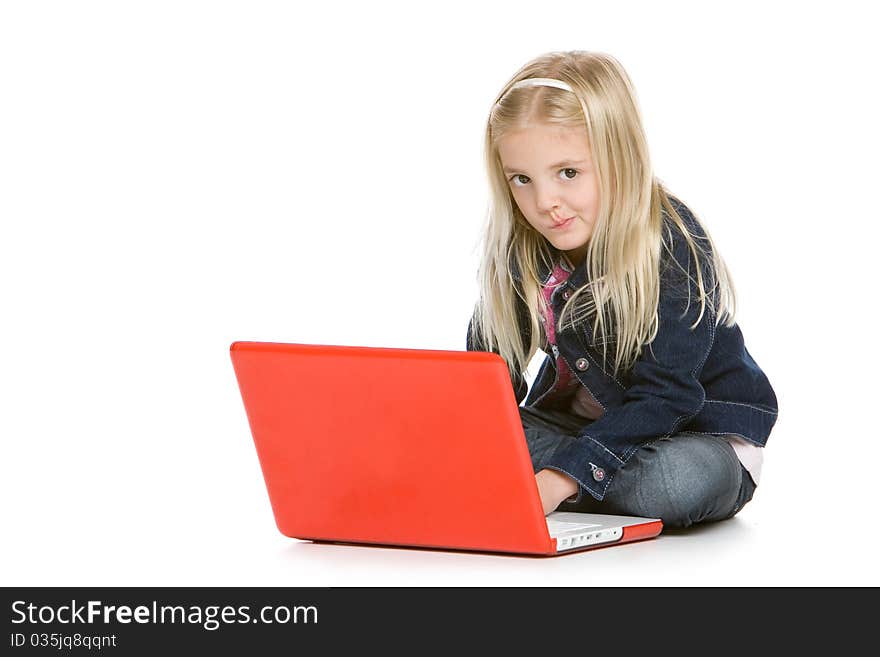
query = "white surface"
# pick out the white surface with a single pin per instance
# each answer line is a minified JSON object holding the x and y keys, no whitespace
{"x":178,"y":175}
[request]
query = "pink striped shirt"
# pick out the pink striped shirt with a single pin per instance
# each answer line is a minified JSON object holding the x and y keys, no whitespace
{"x":582,"y":402}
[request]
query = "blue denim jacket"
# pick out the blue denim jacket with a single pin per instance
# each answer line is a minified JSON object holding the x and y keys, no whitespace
{"x":701,"y":380}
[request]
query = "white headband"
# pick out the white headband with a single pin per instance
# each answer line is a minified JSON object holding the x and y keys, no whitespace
{"x":541,"y":82}
{"x":537,"y":82}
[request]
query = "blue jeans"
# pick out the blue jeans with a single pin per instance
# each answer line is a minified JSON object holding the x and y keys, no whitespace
{"x":682,"y":479}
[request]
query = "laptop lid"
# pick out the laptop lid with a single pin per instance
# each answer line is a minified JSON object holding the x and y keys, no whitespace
{"x":391,"y":446}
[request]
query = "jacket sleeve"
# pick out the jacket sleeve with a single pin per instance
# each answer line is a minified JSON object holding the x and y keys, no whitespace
{"x":517,"y":380}
{"x":662,"y":390}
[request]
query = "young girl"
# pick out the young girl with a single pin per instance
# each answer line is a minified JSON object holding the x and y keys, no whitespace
{"x":650,"y":404}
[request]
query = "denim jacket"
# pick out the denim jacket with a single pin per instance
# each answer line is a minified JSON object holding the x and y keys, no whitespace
{"x":701,"y":380}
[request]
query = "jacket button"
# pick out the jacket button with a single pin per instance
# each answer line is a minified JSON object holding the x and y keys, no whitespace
{"x":582,"y":364}
{"x":598,"y":474}
{"x":566,"y":294}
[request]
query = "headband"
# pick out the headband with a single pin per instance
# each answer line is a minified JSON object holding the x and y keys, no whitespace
{"x":538,"y":82}
{"x":541,"y":82}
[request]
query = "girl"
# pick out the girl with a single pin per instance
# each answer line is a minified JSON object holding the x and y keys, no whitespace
{"x":650,"y":404}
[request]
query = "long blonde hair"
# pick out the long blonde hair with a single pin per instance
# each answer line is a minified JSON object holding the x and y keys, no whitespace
{"x":622,"y":291}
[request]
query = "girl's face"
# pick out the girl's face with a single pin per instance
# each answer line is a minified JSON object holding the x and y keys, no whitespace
{"x":550,"y":173}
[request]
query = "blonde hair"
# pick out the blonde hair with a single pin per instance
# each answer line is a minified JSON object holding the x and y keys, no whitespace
{"x":623,"y":257}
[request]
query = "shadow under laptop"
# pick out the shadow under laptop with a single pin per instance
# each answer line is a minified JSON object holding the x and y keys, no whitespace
{"x":689,"y":556}
{"x":374,"y":551}
{"x":696,"y":538}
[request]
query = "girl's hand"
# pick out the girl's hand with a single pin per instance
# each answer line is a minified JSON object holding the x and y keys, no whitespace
{"x":554,"y":487}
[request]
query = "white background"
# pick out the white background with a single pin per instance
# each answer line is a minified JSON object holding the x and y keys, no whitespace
{"x":175,"y":176}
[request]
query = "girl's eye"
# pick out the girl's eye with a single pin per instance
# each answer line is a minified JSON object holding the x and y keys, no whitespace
{"x":515,"y":177}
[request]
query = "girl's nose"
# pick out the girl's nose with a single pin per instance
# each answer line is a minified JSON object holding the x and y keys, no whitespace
{"x":548,"y":200}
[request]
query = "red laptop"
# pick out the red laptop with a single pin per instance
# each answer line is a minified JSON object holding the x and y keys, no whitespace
{"x":404,"y":447}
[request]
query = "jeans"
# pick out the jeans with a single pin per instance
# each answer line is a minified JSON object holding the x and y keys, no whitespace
{"x":682,"y":479}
